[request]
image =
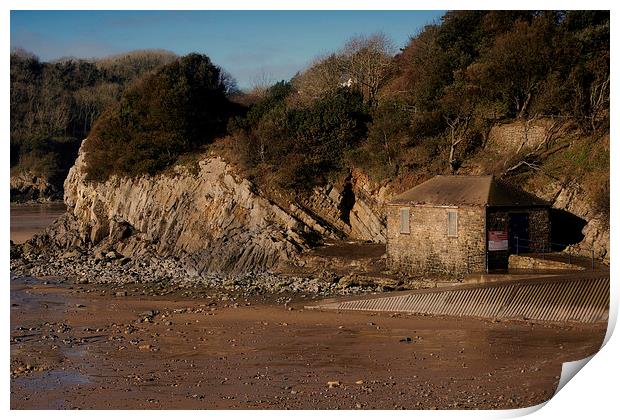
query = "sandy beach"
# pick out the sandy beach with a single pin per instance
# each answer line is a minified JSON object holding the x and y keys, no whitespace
{"x":105,"y":347}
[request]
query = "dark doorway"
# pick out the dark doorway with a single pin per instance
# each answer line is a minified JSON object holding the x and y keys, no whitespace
{"x":518,"y":232}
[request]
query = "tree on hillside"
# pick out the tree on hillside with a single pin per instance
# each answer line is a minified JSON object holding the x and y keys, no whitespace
{"x":123,"y":68}
{"x":388,"y":133}
{"x":515,"y":66}
{"x":367,"y":61}
{"x":54,"y":105}
{"x":322,"y":77}
{"x":300,"y":144}
{"x":91,"y":101}
{"x":174,"y":110}
{"x":422,"y":70}
{"x":459,"y":107}
{"x":319,"y":136}
{"x":589,"y":77}
{"x":364,"y":63}
{"x":230,"y":83}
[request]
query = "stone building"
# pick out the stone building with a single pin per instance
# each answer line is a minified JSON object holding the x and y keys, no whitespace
{"x":463,"y":224}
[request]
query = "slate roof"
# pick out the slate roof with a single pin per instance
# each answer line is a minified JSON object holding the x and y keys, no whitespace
{"x":470,"y":190}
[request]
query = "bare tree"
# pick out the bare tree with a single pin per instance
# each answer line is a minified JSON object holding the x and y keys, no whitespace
{"x":599,"y":101}
{"x":322,"y":76}
{"x":261,"y":82}
{"x":92,"y":101}
{"x":457,"y":127}
{"x":367,"y":61}
{"x":229,"y":82}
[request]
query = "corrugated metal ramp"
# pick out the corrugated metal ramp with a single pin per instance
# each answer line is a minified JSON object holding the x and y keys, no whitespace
{"x":576,"y":298}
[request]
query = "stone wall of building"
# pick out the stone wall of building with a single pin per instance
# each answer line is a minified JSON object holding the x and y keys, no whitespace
{"x":428,"y":249}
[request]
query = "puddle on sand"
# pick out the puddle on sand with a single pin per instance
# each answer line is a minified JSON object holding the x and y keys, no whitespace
{"x":52,"y":379}
{"x":23,"y":298}
{"x":75,"y":352}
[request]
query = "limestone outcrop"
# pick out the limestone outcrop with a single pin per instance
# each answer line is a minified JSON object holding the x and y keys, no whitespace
{"x":213,"y":221}
{"x":356,"y":208}
{"x":206,"y":216}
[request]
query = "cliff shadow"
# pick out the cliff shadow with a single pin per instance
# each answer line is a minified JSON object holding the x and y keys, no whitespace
{"x":566,"y":229}
{"x":347,"y":202}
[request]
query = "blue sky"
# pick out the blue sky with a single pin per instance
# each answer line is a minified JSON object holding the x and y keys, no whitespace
{"x":251,"y":45}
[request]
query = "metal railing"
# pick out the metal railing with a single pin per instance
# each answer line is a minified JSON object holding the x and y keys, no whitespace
{"x":545,"y":250}
{"x":572,"y":254}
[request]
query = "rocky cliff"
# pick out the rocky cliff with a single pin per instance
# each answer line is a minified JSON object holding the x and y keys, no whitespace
{"x":213,"y":221}
{"x":355,"y":208}
{"x":206,"y":216}
{"x":28,"y":187}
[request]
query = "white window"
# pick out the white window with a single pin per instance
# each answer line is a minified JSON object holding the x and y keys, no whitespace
{"x":404,"y":220}
{"x":452,"y":223}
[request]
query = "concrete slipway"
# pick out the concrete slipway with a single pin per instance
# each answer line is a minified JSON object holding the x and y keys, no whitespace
{"x":582,"y":297}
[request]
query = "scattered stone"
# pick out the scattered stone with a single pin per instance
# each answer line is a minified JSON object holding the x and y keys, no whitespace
{"x":69,"y":255}
{"x":148,"y":314}
{"x":112,"y":255}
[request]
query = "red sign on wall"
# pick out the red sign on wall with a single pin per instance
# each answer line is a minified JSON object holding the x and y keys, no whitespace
{"x":498,"y":240}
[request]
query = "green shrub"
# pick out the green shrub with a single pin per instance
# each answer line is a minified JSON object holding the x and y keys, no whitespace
{"x":302,"y":145}
{"x":177,"y":109}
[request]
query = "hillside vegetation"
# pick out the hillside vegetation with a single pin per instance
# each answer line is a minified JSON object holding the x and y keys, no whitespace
{"x":177,"y":108}
{"x":429,"y":109}
{"x":397,"y":117}
{"x":54,"y":105}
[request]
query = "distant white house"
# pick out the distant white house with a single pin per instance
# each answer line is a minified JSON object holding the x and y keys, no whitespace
{"x":348,"y":83}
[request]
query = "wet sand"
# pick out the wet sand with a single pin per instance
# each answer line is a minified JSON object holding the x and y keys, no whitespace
{"x":29,"y":219}
{"x":82,"y":346}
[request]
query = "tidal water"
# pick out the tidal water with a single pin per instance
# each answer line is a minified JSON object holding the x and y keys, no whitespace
{"x":29,"y":219}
